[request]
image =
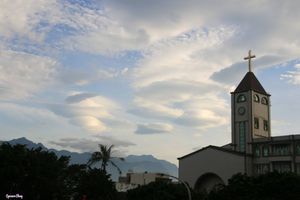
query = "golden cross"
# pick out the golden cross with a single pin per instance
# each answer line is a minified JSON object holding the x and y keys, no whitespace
{"x":249,"y":59}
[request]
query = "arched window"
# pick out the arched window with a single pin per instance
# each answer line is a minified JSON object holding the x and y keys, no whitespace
{"x":256,"y":98}
{"x":241,"y":98}
{"x":256,"y":123}
{"x":264,"y":100}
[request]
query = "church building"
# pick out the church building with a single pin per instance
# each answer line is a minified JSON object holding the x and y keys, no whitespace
{"x":252,"y":150}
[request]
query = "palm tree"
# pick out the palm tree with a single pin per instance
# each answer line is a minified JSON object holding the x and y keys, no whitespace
{"x":104,"y":156}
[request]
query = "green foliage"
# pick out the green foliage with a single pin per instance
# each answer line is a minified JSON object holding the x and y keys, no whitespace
{"x":271,"y":186}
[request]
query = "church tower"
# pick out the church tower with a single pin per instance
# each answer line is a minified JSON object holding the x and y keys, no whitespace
{"x":250,"y":105}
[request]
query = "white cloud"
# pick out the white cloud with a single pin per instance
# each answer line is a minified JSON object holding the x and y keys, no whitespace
{"x":90,"y":123}
{"x":208,"y":54}
{"x":88,"y":75}
{"x":90,"y":145}
{"x":26,"y":114}
{"x":22,"y":74}
{"x":175,"y":73}
{"x":181,"y":57}
{"x":20,"y":19}
{"x":293,"y":76}
{"x":91,"y":112}
{"x":151,"y":109}
{"x":153,"y":128}
{"x":204,"y":112}
{"x":232,"y":74}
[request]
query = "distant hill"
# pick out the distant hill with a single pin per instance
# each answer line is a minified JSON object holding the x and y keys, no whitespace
{"x":136,"y":163}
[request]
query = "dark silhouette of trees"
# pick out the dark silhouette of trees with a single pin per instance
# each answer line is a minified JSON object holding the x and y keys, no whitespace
{"x":41,"y":175}
{"x":104,"y":156}
{"x":96,"y":185}
{"x":34,"y":173}
{"x":158,"y":191}
{"x":271,"y":186}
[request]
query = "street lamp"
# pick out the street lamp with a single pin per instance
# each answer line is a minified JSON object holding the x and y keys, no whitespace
{"x":186,"y":186}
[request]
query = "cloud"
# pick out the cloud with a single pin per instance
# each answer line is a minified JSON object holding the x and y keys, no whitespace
{"x":23,"y":20}
{"x":174,"y":72}
{"x":108,"y":41}
{"x":90,"y":111}
{"x":180,"y":57}
{"x":177,"y":90}
{"x":79,"y":97}
{"x":153,"y":128}
{"x":108,"y":140}
{"x":91,"y":145}
{"x":89,"y":123}
{"x":88,"y":75}
{"x":150,"y":109}
{"x":233,"y":73}
{"x":204,"y":112}
{"x":187,"y":62}
{"x":22,"y":74}
{"x":292,"y":76}
{"x":29,"y":115}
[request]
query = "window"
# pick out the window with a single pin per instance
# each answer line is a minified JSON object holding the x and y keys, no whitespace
{"x":257,"y":151}
{"x":298,"y":168}
{"x":242,"y":135}
{"x":281,"y":149}
{"x":262,"y":168}
{"x":266,"y":125}
{"x":241,"y":98}
{"x":265,"y":151}
{"x":282,"y":166}
{"x":264,"y":100}
{"x":256,"y":123}
{"x":256,"y":98}
{"x":298,"y":149}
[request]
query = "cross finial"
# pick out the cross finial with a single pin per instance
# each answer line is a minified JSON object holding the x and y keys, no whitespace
{"x":249,"y":59}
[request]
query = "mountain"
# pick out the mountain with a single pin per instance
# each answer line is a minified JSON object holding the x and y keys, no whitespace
{"x":29,"y":144}
{"x":135,"y":163}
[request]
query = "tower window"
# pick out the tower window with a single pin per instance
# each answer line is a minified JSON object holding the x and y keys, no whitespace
{"x":241,"y":98}
{"x":242,"y":136}
{"x":257,"y":151}
{"x":264,"y":100}
{"x":298,"y":149}
{"x":256,"y":98}
{"x":256,"y":123}
{"x":265,"y":150}
{"x":266,"y":125}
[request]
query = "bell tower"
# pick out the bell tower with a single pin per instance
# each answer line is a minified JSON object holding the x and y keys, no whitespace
{"x":250,"y":110}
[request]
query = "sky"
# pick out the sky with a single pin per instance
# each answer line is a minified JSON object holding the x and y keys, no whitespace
{"x":151,"y":77}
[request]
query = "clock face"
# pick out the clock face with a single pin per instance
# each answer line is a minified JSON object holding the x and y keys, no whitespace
{"x":241,"y":110}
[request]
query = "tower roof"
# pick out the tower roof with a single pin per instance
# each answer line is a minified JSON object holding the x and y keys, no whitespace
{"x":250,"y":82}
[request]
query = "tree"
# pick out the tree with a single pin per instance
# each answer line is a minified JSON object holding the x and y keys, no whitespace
{"x":33,"y":173}
{"x":96,"y":185}
{"x":40,"y":175}
{"x":274,"y":185}
{"x":104,"y":156}
{"x":161,"y":190}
